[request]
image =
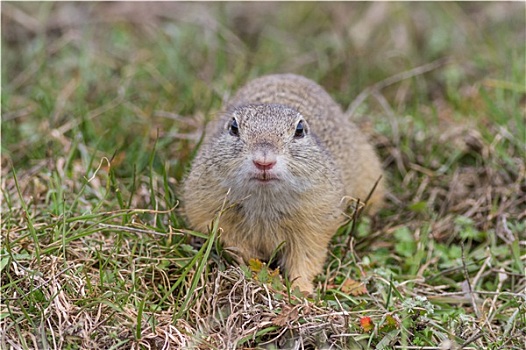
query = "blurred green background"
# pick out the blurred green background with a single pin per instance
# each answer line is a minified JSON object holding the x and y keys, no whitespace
{"x":62,"y":62}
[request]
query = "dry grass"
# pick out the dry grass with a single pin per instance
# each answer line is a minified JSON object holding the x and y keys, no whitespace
{"x":103,"y":105}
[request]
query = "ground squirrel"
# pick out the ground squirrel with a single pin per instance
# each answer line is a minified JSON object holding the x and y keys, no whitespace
{"x":289,"y":160}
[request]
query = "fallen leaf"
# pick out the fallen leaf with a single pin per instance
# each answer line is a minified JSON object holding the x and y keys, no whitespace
{"x":353,"y":287}
{"x":287,"y":314}
{"x":367,"y":324}
{"x":391,"y":322}
{"x":255,"y":265}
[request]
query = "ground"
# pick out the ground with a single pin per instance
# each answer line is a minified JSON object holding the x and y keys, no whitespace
{"x":103,"y":107}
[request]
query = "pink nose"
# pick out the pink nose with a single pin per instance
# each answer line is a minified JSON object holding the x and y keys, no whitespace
{"x":264,"y":164}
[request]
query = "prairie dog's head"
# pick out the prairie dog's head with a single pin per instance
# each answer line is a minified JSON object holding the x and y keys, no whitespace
{"x":267,"y":147}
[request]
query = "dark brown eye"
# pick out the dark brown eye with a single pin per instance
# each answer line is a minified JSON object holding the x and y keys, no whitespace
{"x":300,"y":130}
{"x":234,"y":129}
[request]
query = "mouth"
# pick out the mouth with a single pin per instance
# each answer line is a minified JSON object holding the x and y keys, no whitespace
{"x":264,"y":180}
{"x":264,"y":177}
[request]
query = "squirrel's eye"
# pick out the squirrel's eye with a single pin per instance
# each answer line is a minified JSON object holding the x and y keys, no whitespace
{"x":234,"y":129}
{"x":300,"y":130}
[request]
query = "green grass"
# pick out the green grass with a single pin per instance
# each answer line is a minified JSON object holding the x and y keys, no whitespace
{"x":101,"y":119}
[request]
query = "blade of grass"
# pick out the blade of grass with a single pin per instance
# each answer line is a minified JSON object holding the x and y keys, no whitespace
{"x":27,"y":218}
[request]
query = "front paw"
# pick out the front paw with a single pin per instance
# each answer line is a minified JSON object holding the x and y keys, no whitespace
{"x":304,"y":285}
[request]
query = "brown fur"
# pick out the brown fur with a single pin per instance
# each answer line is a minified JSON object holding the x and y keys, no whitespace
{"x":302,"y":208}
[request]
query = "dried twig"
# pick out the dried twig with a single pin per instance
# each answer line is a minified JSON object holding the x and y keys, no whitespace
{"x":470,"y":289}
{"x":395,"y":79}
